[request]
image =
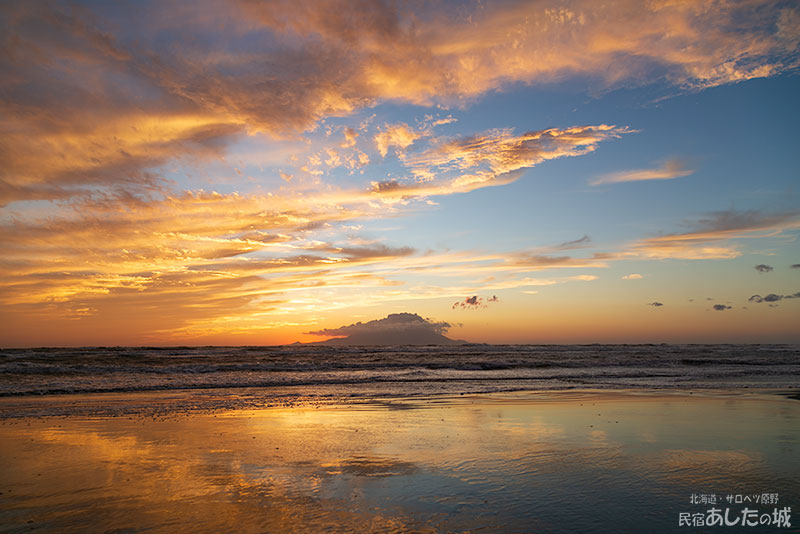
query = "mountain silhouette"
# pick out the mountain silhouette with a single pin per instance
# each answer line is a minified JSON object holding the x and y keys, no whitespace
{"x":395,"y":329}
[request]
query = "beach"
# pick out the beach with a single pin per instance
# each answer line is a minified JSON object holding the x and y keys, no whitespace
{"x":556,"y":461}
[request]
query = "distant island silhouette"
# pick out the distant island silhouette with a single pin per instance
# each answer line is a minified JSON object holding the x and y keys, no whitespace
{"x":394,"y":329}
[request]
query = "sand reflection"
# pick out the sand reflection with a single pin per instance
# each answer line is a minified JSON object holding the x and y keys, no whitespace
{"x":492,"y":463}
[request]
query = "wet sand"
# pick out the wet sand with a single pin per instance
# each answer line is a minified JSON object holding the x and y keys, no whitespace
{"x":578,"y":461}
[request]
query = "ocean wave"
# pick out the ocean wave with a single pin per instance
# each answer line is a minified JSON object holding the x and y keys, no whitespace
{"x":50,"y":371}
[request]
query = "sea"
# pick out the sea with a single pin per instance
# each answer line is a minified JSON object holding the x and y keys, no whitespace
{"x":269,"y":374}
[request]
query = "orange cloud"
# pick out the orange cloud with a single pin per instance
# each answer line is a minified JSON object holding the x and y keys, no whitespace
{"x":671,"y":169}
{"x":84,"y":105}
{"x":399,"y":136}
{"x":209,"y":264}
{"x":202,"y":263}
{"x":490,"y":159}
{"x":435,"y":53}
{"x":40,"y":162}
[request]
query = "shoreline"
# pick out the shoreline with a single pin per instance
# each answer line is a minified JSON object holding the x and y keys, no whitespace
{"x":185,"y":402}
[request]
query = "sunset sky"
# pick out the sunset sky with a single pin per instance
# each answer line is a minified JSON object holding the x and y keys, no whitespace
{"x":241,"y":172}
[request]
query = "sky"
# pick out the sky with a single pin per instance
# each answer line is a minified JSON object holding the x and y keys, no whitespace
{"x":241,"y":172}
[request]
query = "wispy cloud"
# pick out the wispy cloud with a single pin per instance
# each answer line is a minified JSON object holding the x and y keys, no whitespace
{"x":491,"y":158}
{"x":216,"y":259}
{"x":712,"y":237}
{"x":215,"y":263}
{"x":577,"y":243}
{"x":673,"y":168}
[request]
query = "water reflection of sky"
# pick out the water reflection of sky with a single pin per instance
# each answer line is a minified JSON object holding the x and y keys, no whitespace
{"x":583,"y":463}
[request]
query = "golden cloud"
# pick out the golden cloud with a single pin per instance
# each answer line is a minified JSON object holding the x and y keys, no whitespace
{"x":400,"y":136}
{"x":85,"y":104}
{"x":673,"y":168}
{"x":489,"y":159}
